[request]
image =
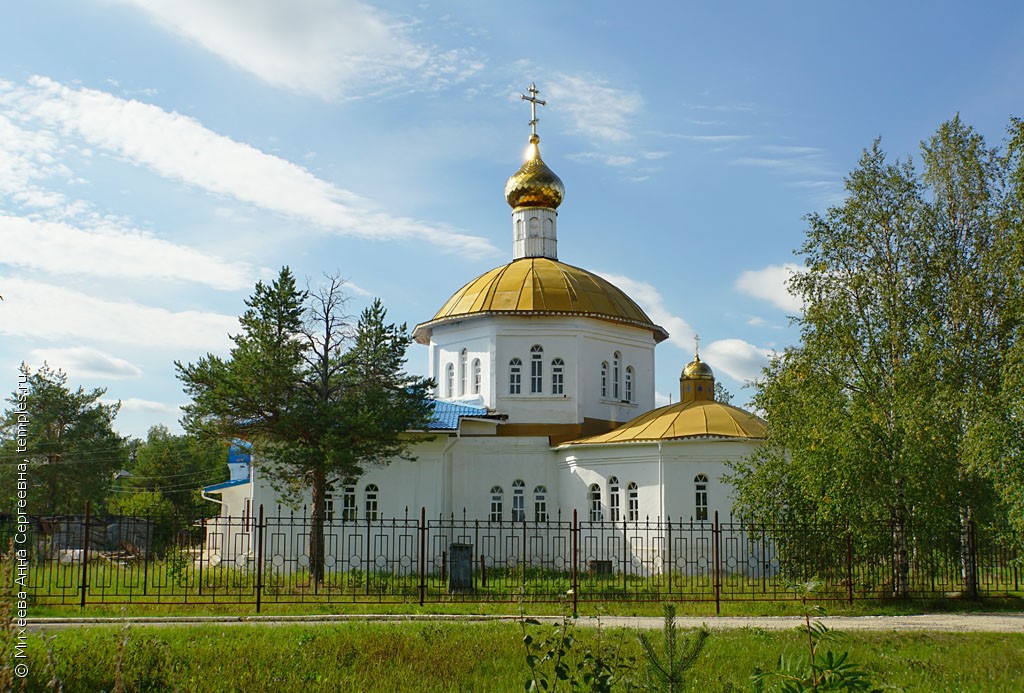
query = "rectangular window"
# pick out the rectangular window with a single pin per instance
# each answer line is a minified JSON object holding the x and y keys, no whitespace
{"x":634,"y":503}
{"x":329,"y":507}
{"x":536,"y":374}
{"x":702,"y":502}
{"x":540,"y":507}
{"x":557,"y":377}
{"x":518,"y":506}
{"x":515,"y":377}
{"x":348,"y":504}
{"x":613,"y":503}
{"x":371,"y":502}
{"x":496,"y":508}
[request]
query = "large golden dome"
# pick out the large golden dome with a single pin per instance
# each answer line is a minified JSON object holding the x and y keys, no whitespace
{"x":693,"y":419}
{"x":534,"y":184}
{"x":540,"y":286}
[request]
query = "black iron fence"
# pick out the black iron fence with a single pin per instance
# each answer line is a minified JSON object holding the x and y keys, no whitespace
{"x":265,"y":559}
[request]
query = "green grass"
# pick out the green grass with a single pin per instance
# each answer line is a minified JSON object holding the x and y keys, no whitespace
{"x":476,"y":657}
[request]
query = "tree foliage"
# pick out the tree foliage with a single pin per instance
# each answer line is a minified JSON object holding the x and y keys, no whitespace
{"x":905,"y":333}
{"x":164,"y":476}
{"x":72,"y":448}
{"x":319,"y":398}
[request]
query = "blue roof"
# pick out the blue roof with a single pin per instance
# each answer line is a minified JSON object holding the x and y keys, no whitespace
{"x":226,"y":484}
{"x":446,"y":415}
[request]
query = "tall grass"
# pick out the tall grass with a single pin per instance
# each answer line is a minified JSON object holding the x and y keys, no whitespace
{"x":472,"y":656}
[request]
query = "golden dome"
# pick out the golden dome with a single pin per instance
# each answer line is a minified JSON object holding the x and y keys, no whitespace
{"x":534,"y":184}
{"x":693,"y":419}
{"x":540,"y":286}
{"x":697,"y":369}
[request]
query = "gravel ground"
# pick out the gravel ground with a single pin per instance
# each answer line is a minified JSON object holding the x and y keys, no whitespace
{"x":953,"y":623}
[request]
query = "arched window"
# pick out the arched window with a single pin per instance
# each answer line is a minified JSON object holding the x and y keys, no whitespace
{"x":515,"y":377}
{"x":604,"y":380}
{"x":518,"y":501}
{"x":449,"y":380}
{"x":558,"y":377}
{"x":616,"y":361}
{"x":463,"y":373}
{"x":613,"y":499}
{"x":371,"y":501}
{"x":537,"y":369}
{"x":633,"y":498}
{"x":540,"y":504}
{"x":348,"y":503}
{"x":476,"y":376}
{"x":629,"y":384}
{"x":700,"y":483}
{"x":594,"y":496}
{"x":497,"y":499}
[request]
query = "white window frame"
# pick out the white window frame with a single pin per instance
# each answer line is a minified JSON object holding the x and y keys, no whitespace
{"x":594,"y":502}
{"x":349,"y":509}
{"x":372,"y":502}
{"x":515,"y":376}
{"x":616,"y":366}
{"x":633,"y":502}
{"x":540,"y":504}
{"x":449,"y":380}
{"x":628,"y":388}
{"x":700,"y":484}
{"x":613,"y":499}
{"x":536,"y":369}
{"x":497,"y":504}
{"x":463,"y":372}
{"x":604,"y":380}
{"x":518,"y":501}
{"x":557,"y":377}
{"x":477,"y":376}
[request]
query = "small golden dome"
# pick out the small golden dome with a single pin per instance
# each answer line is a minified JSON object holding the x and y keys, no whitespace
{"x":534,"y":184}
{"x":541,"y":286}
{"x":697,"y":369}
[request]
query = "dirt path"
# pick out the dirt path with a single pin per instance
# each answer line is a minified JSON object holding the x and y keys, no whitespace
{"x":953,"y":623}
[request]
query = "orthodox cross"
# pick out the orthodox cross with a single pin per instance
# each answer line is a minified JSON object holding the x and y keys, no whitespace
{"x":696,"y":346}
{"x":534,"y":102}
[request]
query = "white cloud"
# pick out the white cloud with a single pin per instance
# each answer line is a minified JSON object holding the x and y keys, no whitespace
{"x":62,"y":249}
{"x":146,"y":406}
{"x":323,"y":48}
{"x":736,"y":358}
{"x":597,"y":110}
{"x":82,"y":362}
{"x":769,"y":284}
{"x":680,"y":332}
{"x":47,"y":312}
{"x":180,"y":148}
{"x":660,"y":399}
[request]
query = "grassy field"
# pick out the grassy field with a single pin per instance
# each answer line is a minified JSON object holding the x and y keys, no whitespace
{"x":473,"y":657}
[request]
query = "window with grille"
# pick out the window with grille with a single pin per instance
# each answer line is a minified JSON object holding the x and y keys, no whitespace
{"x":476,"y":376}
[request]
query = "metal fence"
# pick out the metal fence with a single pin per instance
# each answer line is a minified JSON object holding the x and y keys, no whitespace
{"x":265,"y":559}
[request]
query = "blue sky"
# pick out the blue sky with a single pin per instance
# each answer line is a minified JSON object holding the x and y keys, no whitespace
{"x":158,"y":157}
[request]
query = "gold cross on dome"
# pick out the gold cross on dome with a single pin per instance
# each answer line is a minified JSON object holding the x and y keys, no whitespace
{"x":534,"y":102}
{"x":696,"y":346}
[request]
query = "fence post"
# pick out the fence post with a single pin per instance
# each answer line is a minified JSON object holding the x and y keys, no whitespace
{"x":625,"y":559}
{"x":1016,"y":583}
{"x":574,"y":535}
{"x":668,"y":555}
{"x":85,"y":557}
{"x":849,"y":565}
{"x":423,"y":553}
{"x":259,"y":561}
{"x":716,"y":534}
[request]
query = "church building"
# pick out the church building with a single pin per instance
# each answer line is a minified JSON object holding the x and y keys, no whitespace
{"x":545,"y":400}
